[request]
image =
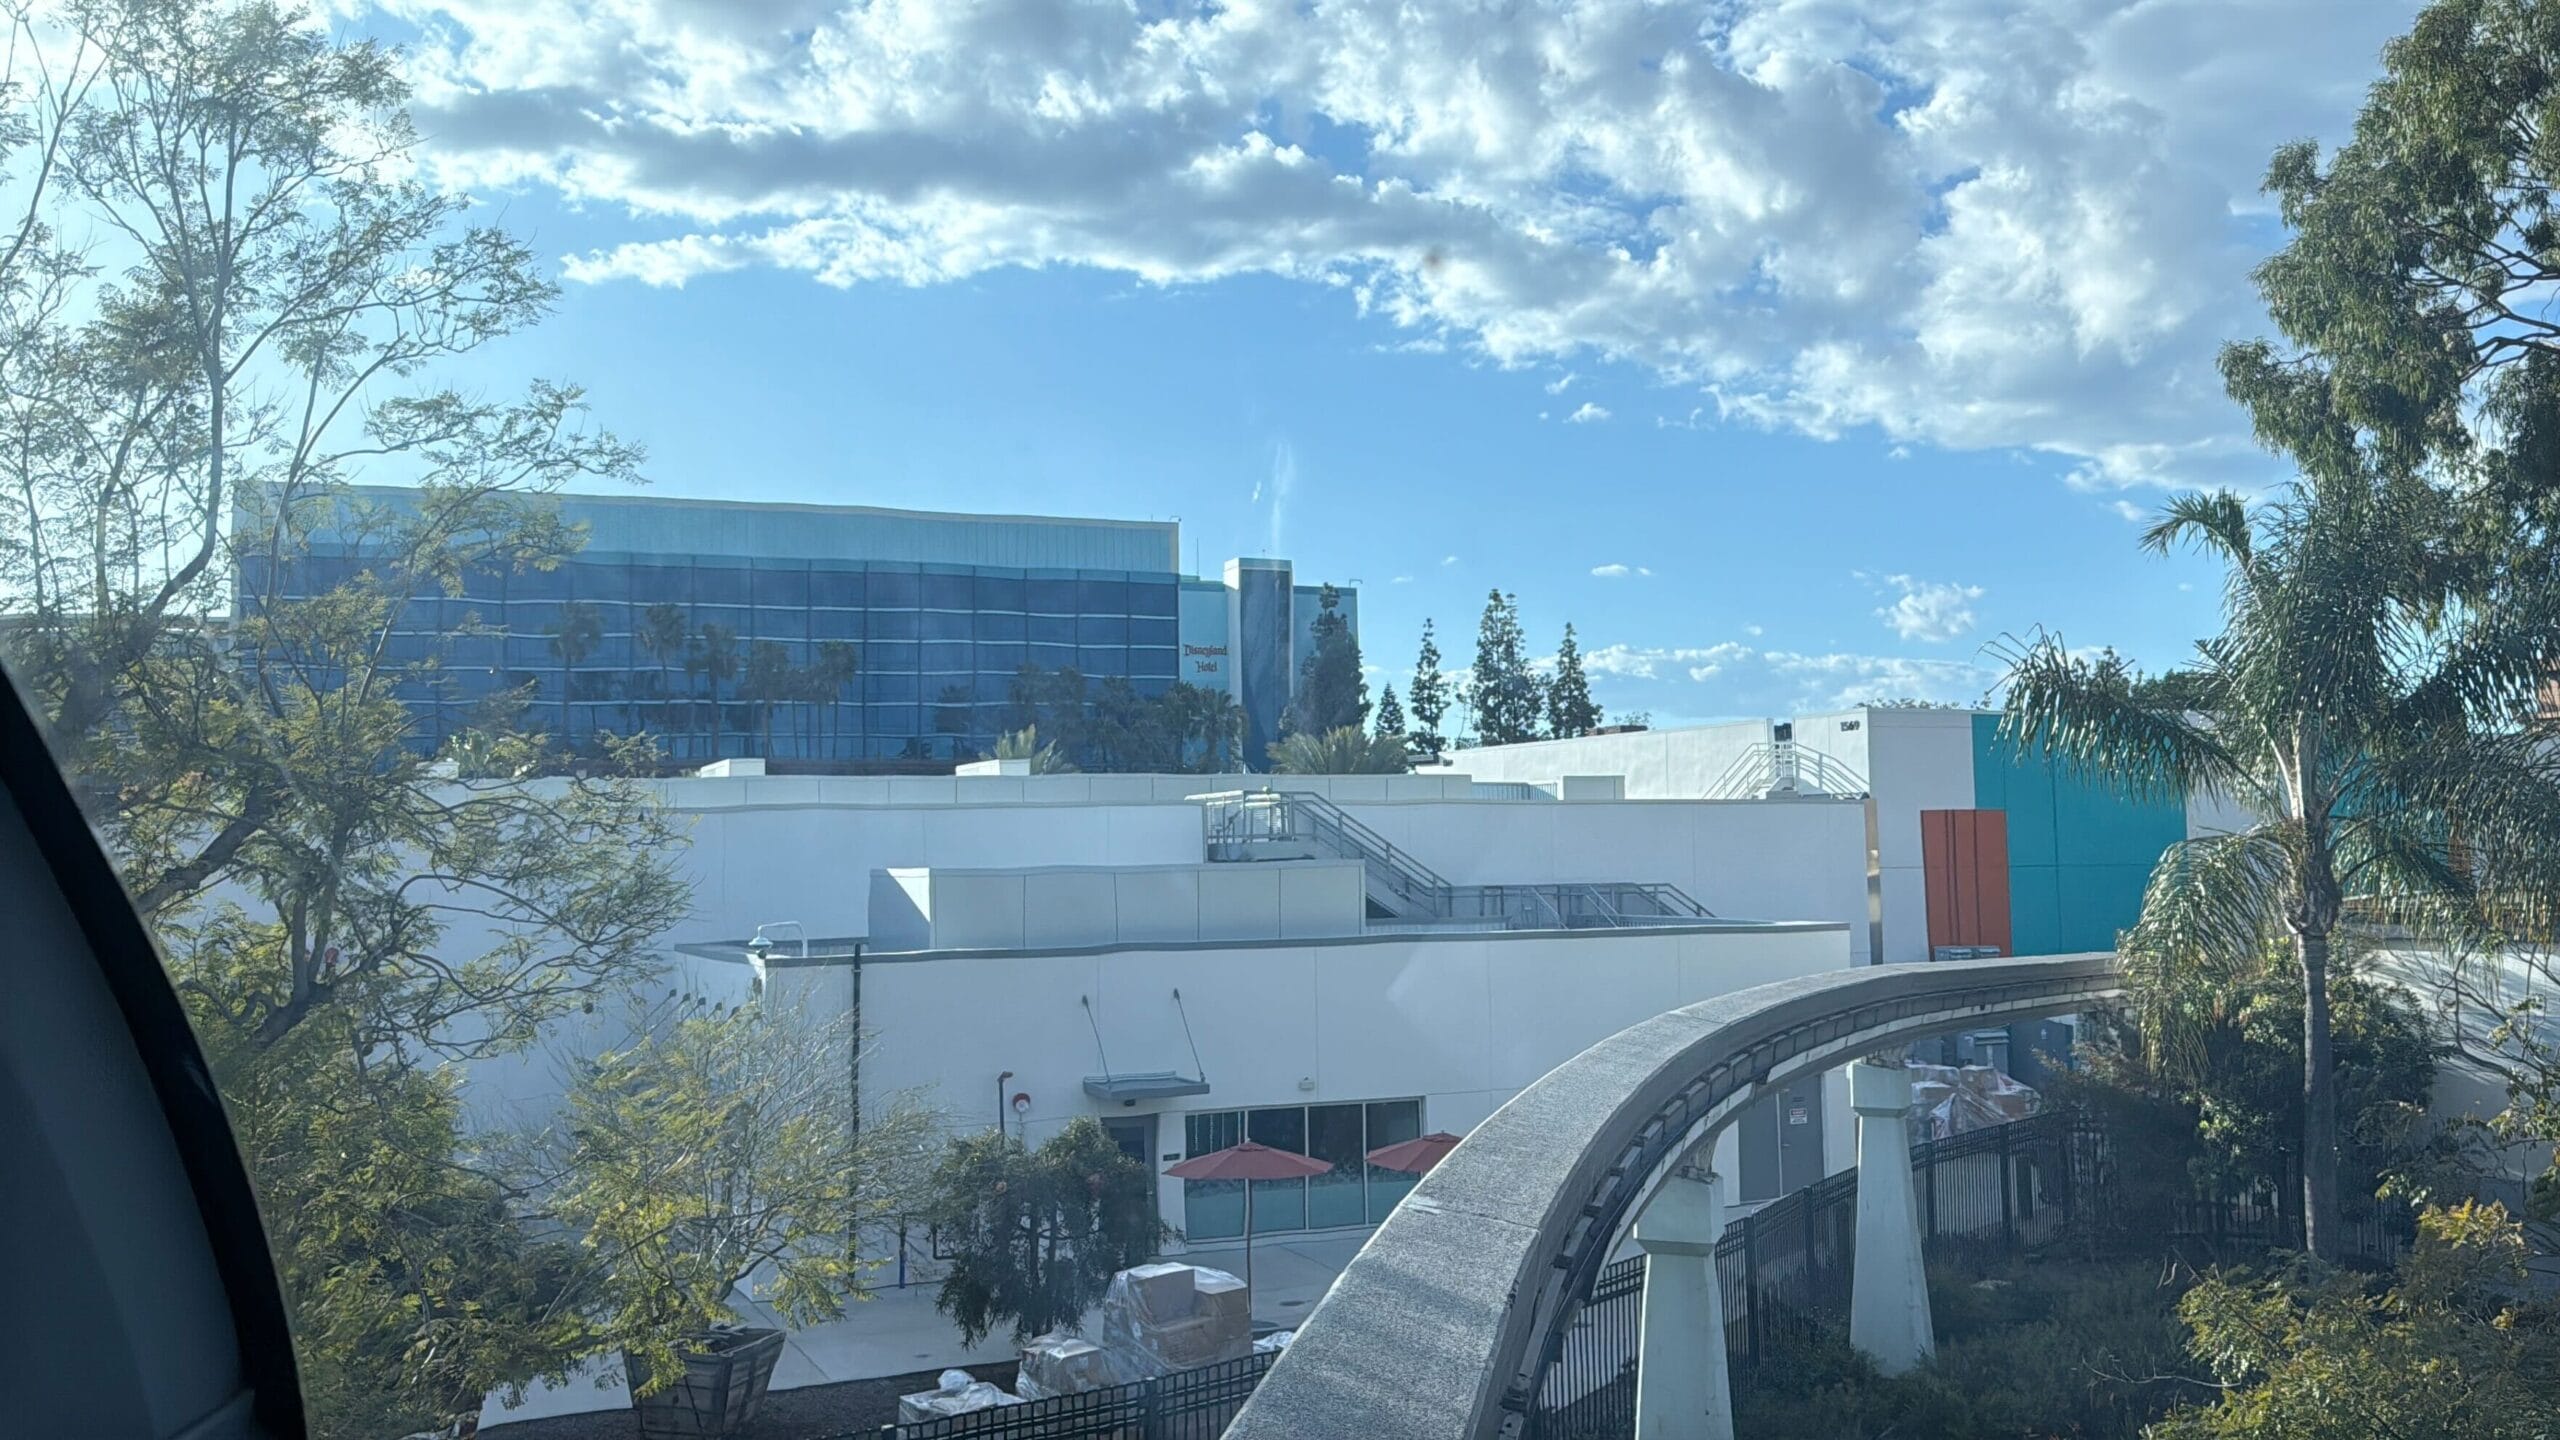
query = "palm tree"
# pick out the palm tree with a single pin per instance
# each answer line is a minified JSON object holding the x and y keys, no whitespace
{"x":661,"y":636}
{"x":1218,"y":723}
{"x":715,"y":656}
{"x":768,"y":681}
{"x":2380,"y":732}
{"x":1348,"y":750}
{"x":839,"y":664}
{"x":574,"y":637}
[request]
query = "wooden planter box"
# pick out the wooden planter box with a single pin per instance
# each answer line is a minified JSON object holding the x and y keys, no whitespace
{"x":721,"y":1389}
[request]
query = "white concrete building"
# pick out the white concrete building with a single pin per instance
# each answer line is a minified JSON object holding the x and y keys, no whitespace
{"x":1030,"y":949}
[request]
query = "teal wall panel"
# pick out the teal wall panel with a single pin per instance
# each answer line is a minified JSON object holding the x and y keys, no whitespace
{"x":2080,"y":852}
{"x":2035,"y":911}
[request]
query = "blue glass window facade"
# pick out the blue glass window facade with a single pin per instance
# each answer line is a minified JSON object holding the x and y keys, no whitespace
{"x":933,"y":648}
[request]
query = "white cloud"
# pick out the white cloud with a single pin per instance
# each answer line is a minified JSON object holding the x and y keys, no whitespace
{"x":1401,"y":580}
{"x":1745,"y":679}
{"x":1898,"y":452}
{"x":1589,"y":414}
{"x":2001,"y":224}
{"x":1753,"y":630}
{"x":1923,"y":609}
{"x":2128,"y":512}
{"x":1619,"y":572}
{"x":1448,"y":560}
{"x":1561,"y":383}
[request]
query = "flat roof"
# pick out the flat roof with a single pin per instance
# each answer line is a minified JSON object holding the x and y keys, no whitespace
{"x":843,"y":950}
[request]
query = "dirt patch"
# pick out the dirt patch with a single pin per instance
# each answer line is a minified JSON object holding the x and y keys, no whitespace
{"x":852,"y":1408}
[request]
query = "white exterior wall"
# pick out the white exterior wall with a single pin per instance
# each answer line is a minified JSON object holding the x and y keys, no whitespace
{"x":1754,"y":859}
{"x":1065,"y":906}
{"x":1462,"y":1023}
{"x":1658,"y":764}
{"x":1913,"y":760}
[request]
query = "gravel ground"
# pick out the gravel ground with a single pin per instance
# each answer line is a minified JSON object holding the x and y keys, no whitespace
{"x":806,"y":1413}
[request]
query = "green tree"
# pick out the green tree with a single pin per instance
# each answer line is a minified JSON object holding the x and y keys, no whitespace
{"x":1332,"y":692}
{"x":1429,"y":695}
{"x":2451,"y":1349}
{"x":1570,"y":709}
{"x":1510,"y":704}
{"x":1347,"y":751}
{"x":2368,"y":723}
{"x":718,"y":1146}
{"x":713,"y":656}
{"x":2220,"y":1066}
{"x":1026,"y":744}
{"x":230,"y":298}
{"x":1036,"y":1235}
{"x":661,"y":636}
{"x":1215,"y":724}
{"x":415,"y":1291}
{"x":1391,"y":719}
{"x":2416,"y":344}
{"x":574,"y":637}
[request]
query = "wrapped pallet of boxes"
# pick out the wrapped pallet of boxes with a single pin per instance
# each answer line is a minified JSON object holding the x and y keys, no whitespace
{"x":1164,"y":1317}
{"x":1060,"y":1364}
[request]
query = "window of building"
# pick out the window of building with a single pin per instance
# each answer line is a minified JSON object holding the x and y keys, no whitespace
{"x":947,"y":592}
{"x":1050,"y":597}
{"x":1353,"y":1193}
{"x":895,"y":589}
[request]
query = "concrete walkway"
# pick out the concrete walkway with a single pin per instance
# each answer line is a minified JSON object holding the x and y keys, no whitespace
{"x":897,"y":1332}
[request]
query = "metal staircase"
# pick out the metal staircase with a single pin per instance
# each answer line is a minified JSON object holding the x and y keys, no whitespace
{"x":1783,"y":769}
{"x":1247,"y":825}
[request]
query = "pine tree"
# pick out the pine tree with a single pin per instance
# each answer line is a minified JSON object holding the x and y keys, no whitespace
{"x":1509,"y":702}
{"x":1429,"y":696}
{"x":1570,"y":710}
{"x":1390,"y":714}
{"x":1332,"y":693}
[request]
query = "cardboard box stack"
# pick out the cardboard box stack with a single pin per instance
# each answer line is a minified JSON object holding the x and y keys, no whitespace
{"x":1172,"y":1316}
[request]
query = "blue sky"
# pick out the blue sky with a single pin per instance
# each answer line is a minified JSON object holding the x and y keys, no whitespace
{"x":1823,"y":456}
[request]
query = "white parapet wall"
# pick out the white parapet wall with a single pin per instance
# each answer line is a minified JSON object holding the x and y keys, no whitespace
{"x":1460,"y":1023}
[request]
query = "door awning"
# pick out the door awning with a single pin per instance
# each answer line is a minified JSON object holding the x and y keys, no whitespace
{"x":1143,"y":1085}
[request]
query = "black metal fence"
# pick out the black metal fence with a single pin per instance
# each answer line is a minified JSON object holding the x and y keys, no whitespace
{"x":1785,"y":1268}
{"x":1185,"y":1405}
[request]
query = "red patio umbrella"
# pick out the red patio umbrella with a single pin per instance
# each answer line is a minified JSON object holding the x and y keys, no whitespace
{"x":1248,"y":1162}
{"x":1415,"y":1156}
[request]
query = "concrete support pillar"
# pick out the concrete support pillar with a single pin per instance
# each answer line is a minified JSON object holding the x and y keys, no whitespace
{"x":1682,"y":1389}
{"x":1888,"y":1289}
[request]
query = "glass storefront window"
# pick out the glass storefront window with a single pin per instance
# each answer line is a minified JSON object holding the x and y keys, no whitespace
{"x":1212,"y":1209}
{"x":1391,"y":1122}
{"x":1279,"y":1204}
{"x":1338,"y":1197}
{"x":1354,"y":1193}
